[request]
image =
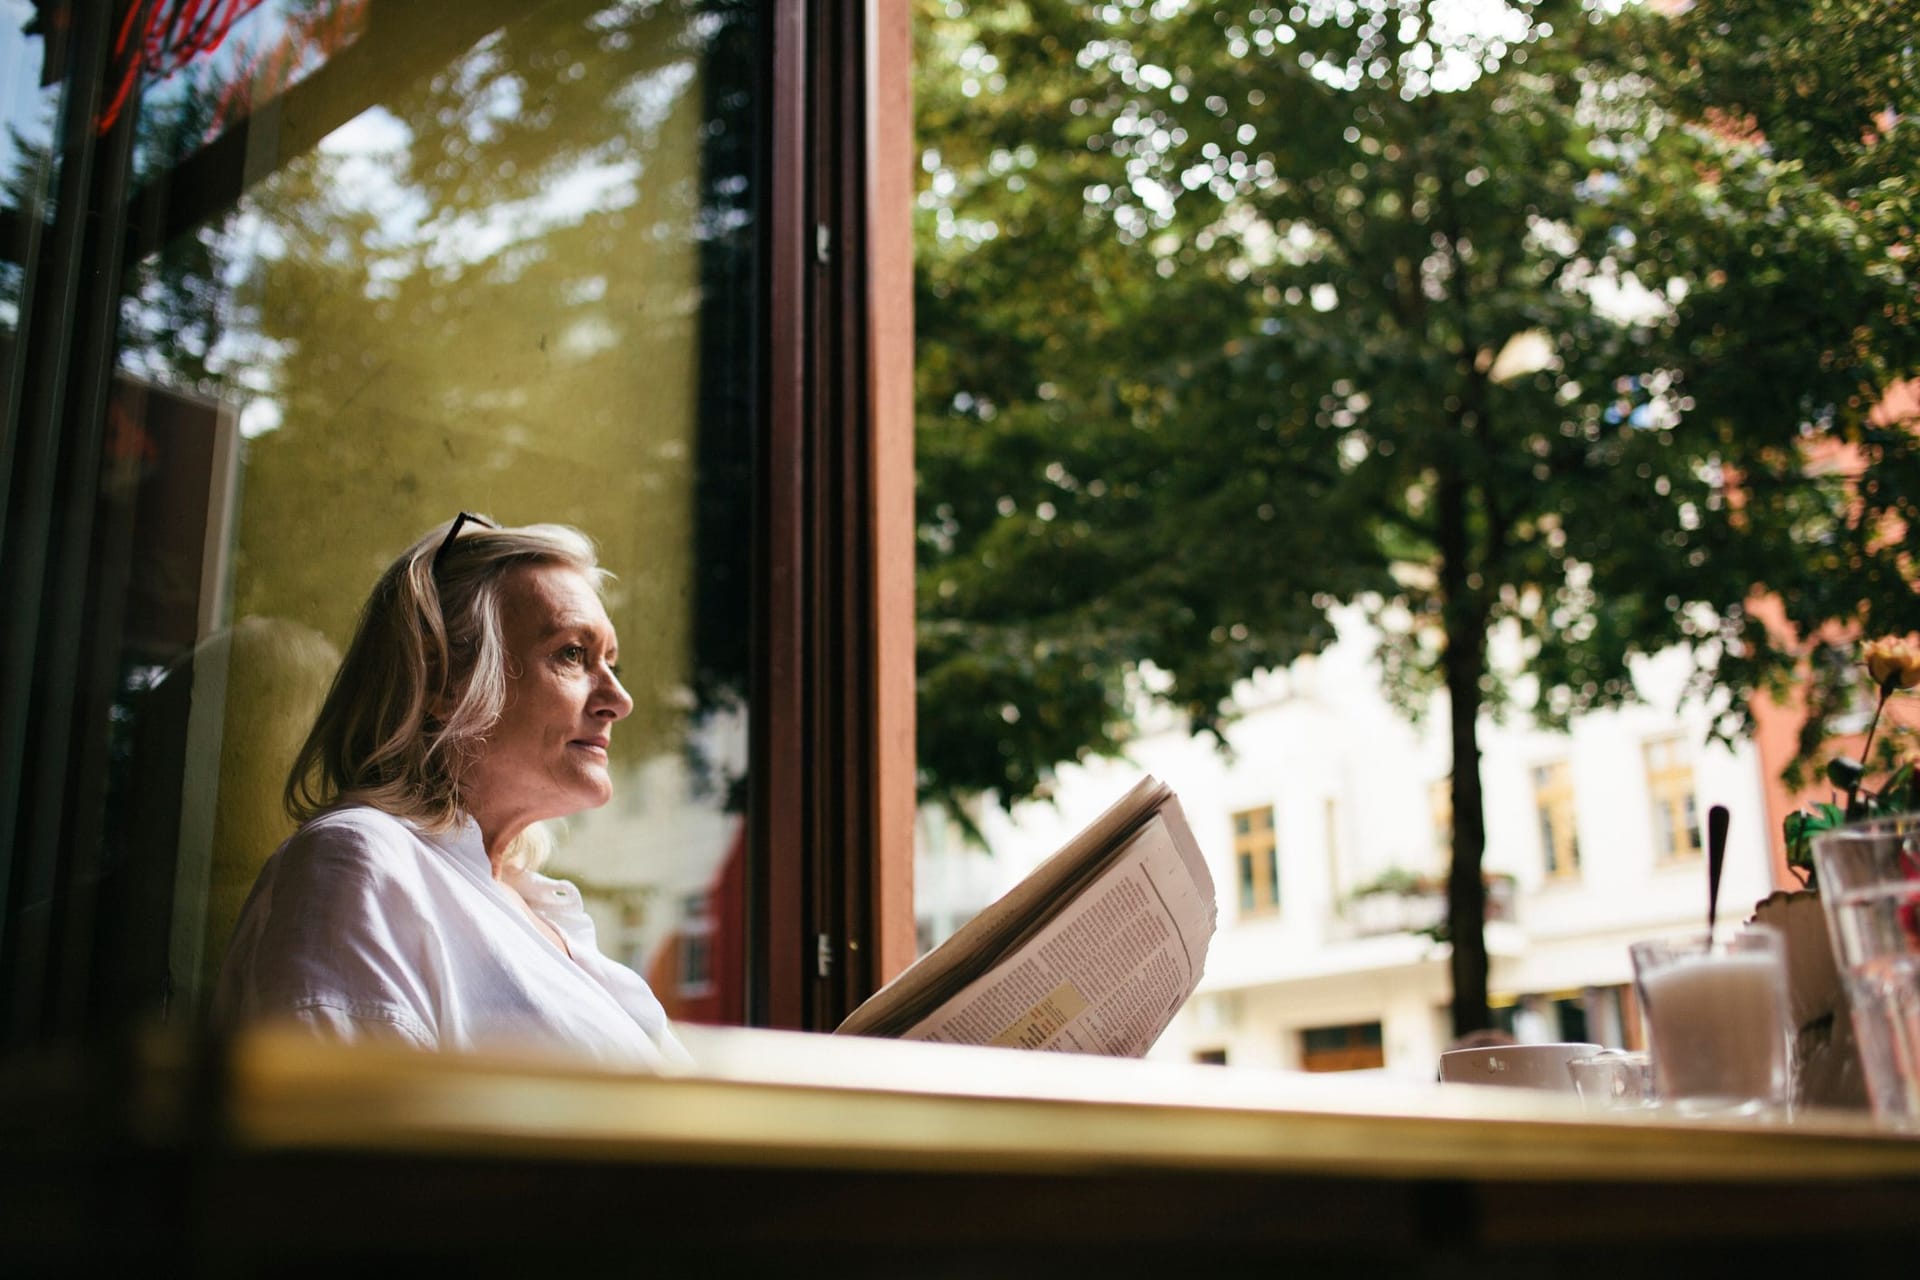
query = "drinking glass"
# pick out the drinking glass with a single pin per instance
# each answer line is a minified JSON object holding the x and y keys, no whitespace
{"x":1870,"y":888}
{"x":1716,"y":1010}
{"x":1614,"y":1080}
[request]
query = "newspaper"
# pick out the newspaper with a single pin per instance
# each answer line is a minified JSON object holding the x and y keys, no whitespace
{"x":1094,"y":952}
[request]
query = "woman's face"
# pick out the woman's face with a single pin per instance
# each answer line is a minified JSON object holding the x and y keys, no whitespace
{"x":547,"y":756}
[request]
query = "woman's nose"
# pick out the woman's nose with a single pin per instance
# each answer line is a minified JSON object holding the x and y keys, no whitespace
{"x":612,"y":698}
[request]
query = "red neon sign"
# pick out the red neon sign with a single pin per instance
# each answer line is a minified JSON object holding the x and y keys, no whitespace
{"x":161,"y":36}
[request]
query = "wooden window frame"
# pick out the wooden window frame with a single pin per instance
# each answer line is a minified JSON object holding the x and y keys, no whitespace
{"x":1554,"y":812}
{"x":1258,"y":847}
{"x":832,"y":903}
{"x":1671,"y":790}
{"x":1363,"y":1048}
{"x":1440,"y":812}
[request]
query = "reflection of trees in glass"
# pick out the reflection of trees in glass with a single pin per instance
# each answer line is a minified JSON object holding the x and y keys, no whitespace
{"x":26,"y":195}
{"x":201,"y":73}
{"x":723,"y":497}
{"x":171,"y":313}
{"x":26,"y":162}
{"x":486,"y":292}
{"x":19,"y":190}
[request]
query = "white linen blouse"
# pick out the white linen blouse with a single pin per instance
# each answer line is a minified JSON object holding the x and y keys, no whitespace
{"x":362,"y":926}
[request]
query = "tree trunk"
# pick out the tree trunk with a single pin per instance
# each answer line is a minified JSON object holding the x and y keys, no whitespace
{"x":1466,"y":889}
{"x":1466,"y":628}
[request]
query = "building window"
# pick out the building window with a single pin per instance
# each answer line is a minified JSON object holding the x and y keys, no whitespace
{"x":1553,"y":808}
{"x":695,"y":942}
{"x":1354,"y":1047}
{"x":1676,"y":807}
{"x":1256,"y":861}
{"x":1211,"y":1057}
{"x":1336,"y":881}
{"x":1440,"y":806}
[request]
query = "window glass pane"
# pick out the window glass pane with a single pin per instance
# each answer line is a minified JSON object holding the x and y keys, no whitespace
{"x":1256,"y":857}
{"x":31,"y":60}
{"x":1355,"y":1047}
{"x":398,"y":261}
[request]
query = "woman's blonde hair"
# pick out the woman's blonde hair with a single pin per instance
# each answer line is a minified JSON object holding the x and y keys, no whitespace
{"x":425,"y":678}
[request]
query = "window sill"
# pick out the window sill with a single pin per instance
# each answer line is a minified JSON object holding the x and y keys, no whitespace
{"x":281,"y":1149}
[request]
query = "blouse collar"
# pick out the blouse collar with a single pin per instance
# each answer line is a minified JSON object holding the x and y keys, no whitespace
{"x":463,"y":843}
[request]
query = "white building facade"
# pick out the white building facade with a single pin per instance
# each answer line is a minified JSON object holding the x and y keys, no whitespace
{"x":1325,"y":827}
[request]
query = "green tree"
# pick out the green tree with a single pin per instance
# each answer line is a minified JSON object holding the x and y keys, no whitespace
{"x":1489,"y":329}
{"x":1827,"y":89}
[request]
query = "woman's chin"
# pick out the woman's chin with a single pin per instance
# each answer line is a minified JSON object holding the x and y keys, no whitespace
{"x":597,"y":794}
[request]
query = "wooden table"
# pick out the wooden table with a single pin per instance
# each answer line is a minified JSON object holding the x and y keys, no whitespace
{"x":785,"y":1152}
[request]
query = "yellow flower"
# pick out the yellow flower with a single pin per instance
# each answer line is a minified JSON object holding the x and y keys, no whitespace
{"x":1893,"y":663}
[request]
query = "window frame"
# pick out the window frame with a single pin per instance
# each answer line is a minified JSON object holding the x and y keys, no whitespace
{"x":830,"y":789}
{"x":1557,"y":820}
{"x":1673,"y":793}
{"x":1361,"y":1047}
{"x":1256,"y":848}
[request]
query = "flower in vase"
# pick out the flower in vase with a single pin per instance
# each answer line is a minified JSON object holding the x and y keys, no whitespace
{"x":1894,"y":663}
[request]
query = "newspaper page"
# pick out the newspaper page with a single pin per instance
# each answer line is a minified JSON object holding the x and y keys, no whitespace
{"x":1104,"y":975}
{"x":1094,"y":951}
{"x":983,"y":941}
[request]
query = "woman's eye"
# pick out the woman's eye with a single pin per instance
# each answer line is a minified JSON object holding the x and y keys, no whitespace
{"x":574,"y":653}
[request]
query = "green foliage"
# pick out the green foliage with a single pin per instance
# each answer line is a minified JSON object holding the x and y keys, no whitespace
{"x":1896,"y":794}
{"x":1824,"y":92}
{"x":1801,"y":827}
{"x":1395,"y":881}
{"x":1231,"y":313}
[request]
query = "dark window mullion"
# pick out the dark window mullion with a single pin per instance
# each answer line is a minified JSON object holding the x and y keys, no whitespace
{"x":55,"y":625}
{"x":777,"y":770}
{"x":828,"y":841}
{"x":850,"y":662}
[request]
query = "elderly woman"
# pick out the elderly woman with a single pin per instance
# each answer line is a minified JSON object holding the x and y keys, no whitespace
{"x":477,"y":699}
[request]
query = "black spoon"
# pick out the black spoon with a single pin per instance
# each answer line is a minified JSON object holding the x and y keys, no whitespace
{"x":1717,"y":817}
